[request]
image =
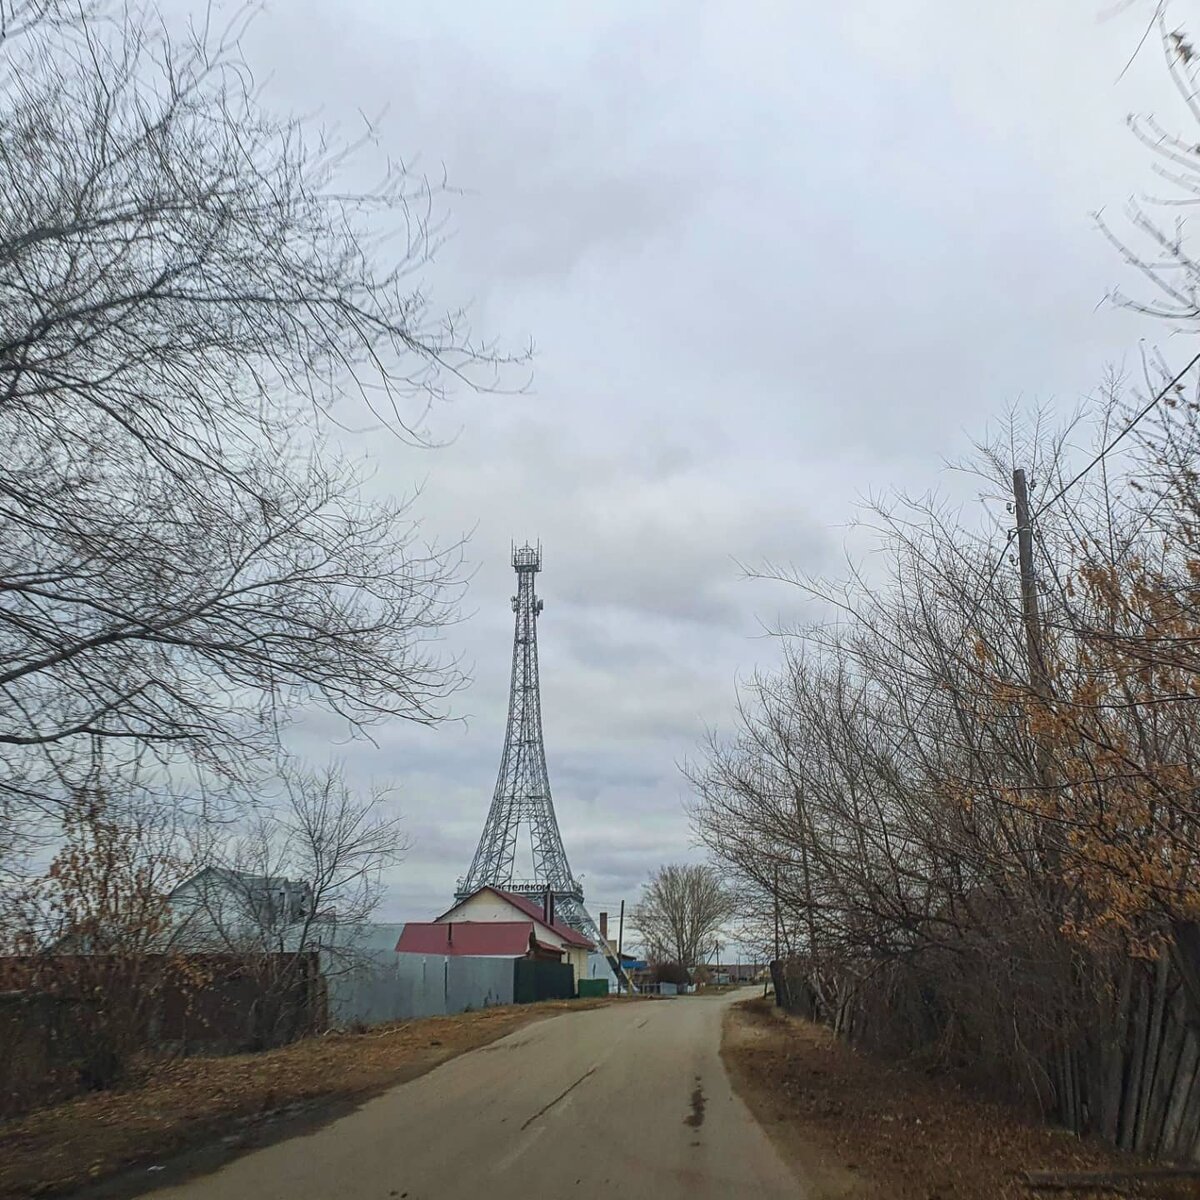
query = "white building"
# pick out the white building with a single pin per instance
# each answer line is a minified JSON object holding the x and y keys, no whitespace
{"x":494,"y":904}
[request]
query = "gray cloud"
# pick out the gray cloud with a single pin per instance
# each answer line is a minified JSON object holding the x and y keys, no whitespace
{"x":774,"y":258}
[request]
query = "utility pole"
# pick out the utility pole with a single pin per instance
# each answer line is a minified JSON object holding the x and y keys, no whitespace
{"x":775,"y":905}
{"x":620,"y":939}
{"x":1038,"y":678}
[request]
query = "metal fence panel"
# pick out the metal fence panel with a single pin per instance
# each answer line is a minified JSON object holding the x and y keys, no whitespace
{"x":535,"y":980}
{"x":386,"y":986}
{"x":473,"y":983}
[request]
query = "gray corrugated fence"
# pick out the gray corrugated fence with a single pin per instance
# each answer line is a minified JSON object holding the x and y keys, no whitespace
{"x":380,"y":985}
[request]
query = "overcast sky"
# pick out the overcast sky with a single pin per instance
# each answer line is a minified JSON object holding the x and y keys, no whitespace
{"x":773,"y":257}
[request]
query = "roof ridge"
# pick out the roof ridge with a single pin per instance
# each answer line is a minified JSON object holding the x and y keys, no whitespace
{"x":538,"y":913}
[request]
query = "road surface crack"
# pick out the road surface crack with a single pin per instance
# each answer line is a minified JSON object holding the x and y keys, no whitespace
{"x":561,"y":1096}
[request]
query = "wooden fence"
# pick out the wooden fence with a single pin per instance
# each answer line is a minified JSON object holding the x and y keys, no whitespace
{"x":74,"y":1022}
{"x":1109,"y":1047}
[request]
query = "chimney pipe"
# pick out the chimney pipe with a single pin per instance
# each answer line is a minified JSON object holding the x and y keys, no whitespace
{"x":604,"y":927}
{"x":548,"y":907}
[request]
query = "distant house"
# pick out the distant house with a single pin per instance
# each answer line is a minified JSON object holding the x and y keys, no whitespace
{"x":222,"y":907}
{"x":491,"y":905}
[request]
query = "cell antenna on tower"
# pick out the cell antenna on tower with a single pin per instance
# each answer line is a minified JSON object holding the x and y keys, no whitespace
{"x":522,"y":800}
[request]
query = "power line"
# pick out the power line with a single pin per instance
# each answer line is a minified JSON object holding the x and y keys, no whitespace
{"x":1062,"y":491}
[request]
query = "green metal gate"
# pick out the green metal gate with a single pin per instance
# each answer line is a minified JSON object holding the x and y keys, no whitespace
{"x":535,"y":979}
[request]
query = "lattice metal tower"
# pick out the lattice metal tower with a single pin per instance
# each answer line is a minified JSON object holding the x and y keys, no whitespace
{"x":522,"y":798}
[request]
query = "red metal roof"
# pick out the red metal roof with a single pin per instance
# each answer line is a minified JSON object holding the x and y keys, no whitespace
{"x":500,"y":939}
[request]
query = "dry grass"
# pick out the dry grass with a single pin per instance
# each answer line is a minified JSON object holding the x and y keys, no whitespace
{"x":858,"y":1127}
{"x":194,"y":1101}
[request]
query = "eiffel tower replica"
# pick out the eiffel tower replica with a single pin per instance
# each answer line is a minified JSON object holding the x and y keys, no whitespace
{"x":522,"y":798}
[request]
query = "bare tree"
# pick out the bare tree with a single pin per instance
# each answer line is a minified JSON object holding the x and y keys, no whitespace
{"x":300,"y":872}
{"x":979,"y":826}
{"x":682,"y":908}
{"x":191,"y":290}
{"x":1161,"y":254}
{"x":288,"y":891}
{"x":968,"y":864}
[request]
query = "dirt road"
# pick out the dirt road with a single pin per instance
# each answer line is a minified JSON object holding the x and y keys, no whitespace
{"x":627,"y":1101}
